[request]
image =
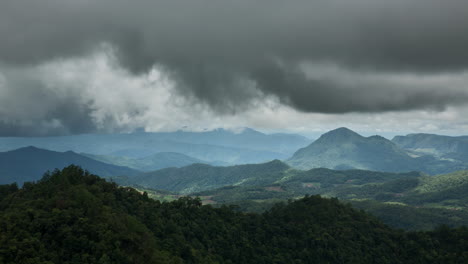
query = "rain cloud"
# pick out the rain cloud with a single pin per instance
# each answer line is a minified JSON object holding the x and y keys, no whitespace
{"x":226,"y":57}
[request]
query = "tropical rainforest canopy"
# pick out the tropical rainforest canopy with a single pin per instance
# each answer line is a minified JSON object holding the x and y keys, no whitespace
{"x":72,"y":216}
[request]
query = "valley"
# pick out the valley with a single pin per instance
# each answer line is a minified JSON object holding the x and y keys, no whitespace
{"x":395,"y":180}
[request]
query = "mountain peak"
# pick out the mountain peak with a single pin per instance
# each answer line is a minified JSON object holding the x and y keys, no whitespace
{"x":28,"y":149}
{"x":340,"y":134}
{"x":377,"y":137}
{"x":342,"y":130}
{"x":245,"y":131}
{"x":343,"y":148}
{"x":250,"y":130}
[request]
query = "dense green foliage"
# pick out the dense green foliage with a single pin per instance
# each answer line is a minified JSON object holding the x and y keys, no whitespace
{"x":71,"y":216}
{"x":27,"y":164}
{"x":345,"y":149}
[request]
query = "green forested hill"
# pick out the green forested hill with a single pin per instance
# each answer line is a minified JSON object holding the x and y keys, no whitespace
{"x":73,"y":217}
{"x":345,"y":149}
{"x":199,"y":177}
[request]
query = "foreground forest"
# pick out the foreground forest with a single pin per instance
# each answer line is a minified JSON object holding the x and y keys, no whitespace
{"x":71,"y":216}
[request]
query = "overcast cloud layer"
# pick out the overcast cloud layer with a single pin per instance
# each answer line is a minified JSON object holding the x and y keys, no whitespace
{"x":82,"y":66}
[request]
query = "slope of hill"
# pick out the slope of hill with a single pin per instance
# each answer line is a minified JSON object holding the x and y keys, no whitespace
{"x":447,"y":147}
{"x":273,"y":180}
{"x":28,"y":164}
{"x":425,"y":200}
{"x":447,"y":190}
{"x":404,"y":200}
{"x":256,"y":187}
{"x":345,"y":149}
{"x":74,"y":217}
{"x":150,"y":163}
{"x":199,"y":177}
{"x":295,"y":183}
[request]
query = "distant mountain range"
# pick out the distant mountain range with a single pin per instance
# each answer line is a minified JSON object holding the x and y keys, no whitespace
{"x":218,"y":146}
{"x":345,"y":149}
{"x":355,"y":160}
{"x":30,"y":163}
{"x":339,"y":149}
{"x":150,"y":163}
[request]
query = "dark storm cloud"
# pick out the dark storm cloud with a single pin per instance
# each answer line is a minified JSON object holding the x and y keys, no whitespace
{"x":414,"y":34}
{"x":226,"y":53}
{"x":29,"y":108}
{"x":350,"y":91}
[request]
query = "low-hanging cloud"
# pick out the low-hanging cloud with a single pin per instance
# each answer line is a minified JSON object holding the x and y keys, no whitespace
{"x":385,"y":55}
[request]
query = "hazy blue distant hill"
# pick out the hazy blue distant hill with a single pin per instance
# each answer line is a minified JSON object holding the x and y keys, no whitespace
{"x":247,"y":138}
{"x":455,"y":148}
{"x":247,"y":146}
{"x":345,"y":149}
{"x":207,"y":153}
{"x":150,"y":163}
{"x":30,"y":163}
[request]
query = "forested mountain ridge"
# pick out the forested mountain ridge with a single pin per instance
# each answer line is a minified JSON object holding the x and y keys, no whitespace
{"x":199,"y":177}
{"x":73,"y":217}
{"x":29,"y":163}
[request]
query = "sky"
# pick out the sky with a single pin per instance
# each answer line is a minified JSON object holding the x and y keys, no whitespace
{"x":302,"y":66}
